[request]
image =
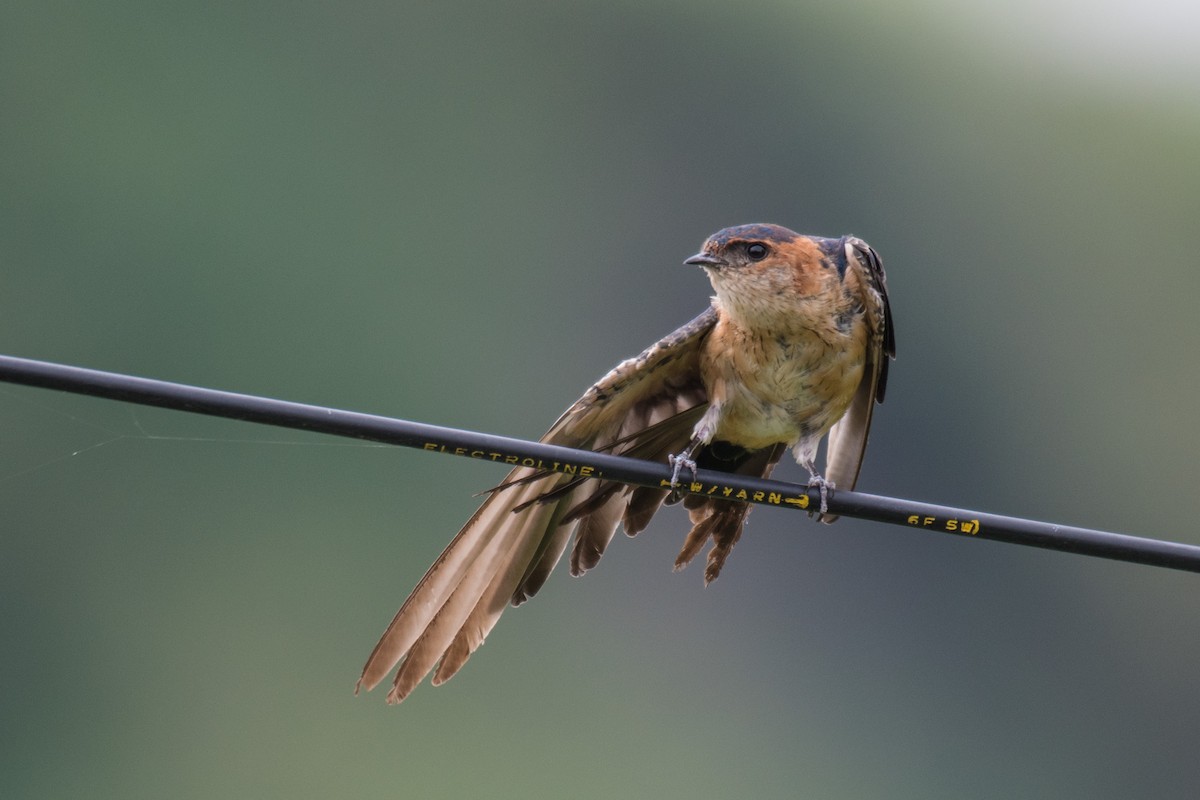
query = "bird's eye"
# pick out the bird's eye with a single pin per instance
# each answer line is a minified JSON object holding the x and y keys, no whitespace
{"x":756,"y":251}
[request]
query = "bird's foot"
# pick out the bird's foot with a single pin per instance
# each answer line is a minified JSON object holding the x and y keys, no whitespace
{"x":816,"y":481}
{"x":679,"y":463}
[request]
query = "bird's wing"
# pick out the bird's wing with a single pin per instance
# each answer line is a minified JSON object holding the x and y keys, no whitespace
{"x":646,"y":408}
{"x":848,"y":437}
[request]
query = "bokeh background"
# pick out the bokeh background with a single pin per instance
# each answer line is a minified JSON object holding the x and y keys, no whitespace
{"x":463,"y":213}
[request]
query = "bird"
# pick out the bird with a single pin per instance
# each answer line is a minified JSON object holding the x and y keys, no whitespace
{"x":794,"y":346}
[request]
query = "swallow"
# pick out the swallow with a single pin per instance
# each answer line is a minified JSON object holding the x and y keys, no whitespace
{"x":794,"y":346}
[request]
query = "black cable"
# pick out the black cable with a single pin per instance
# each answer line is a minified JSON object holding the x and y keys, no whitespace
{"x":513,"y":452}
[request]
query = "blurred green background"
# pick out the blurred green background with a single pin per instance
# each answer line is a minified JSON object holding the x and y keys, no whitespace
{"x":463,"y":213}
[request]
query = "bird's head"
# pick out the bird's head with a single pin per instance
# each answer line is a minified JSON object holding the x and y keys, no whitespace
{"x":761,"y":270}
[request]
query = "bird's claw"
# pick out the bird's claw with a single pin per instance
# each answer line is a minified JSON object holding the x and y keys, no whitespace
{"x":823,"y":486}
{"x":678,"y":463}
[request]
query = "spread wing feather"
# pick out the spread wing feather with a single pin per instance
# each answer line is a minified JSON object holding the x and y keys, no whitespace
{"x":646,"y":408}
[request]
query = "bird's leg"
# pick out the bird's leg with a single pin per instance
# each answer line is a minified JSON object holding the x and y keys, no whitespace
{"x":702,"y":434}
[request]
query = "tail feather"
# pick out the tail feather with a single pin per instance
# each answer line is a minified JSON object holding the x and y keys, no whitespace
{"x":722,"y":520}
{"x":726,"y":530}
{"x":694,"y":541}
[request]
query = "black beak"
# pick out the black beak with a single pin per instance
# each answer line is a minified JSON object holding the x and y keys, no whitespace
{"x":706,"y":260}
